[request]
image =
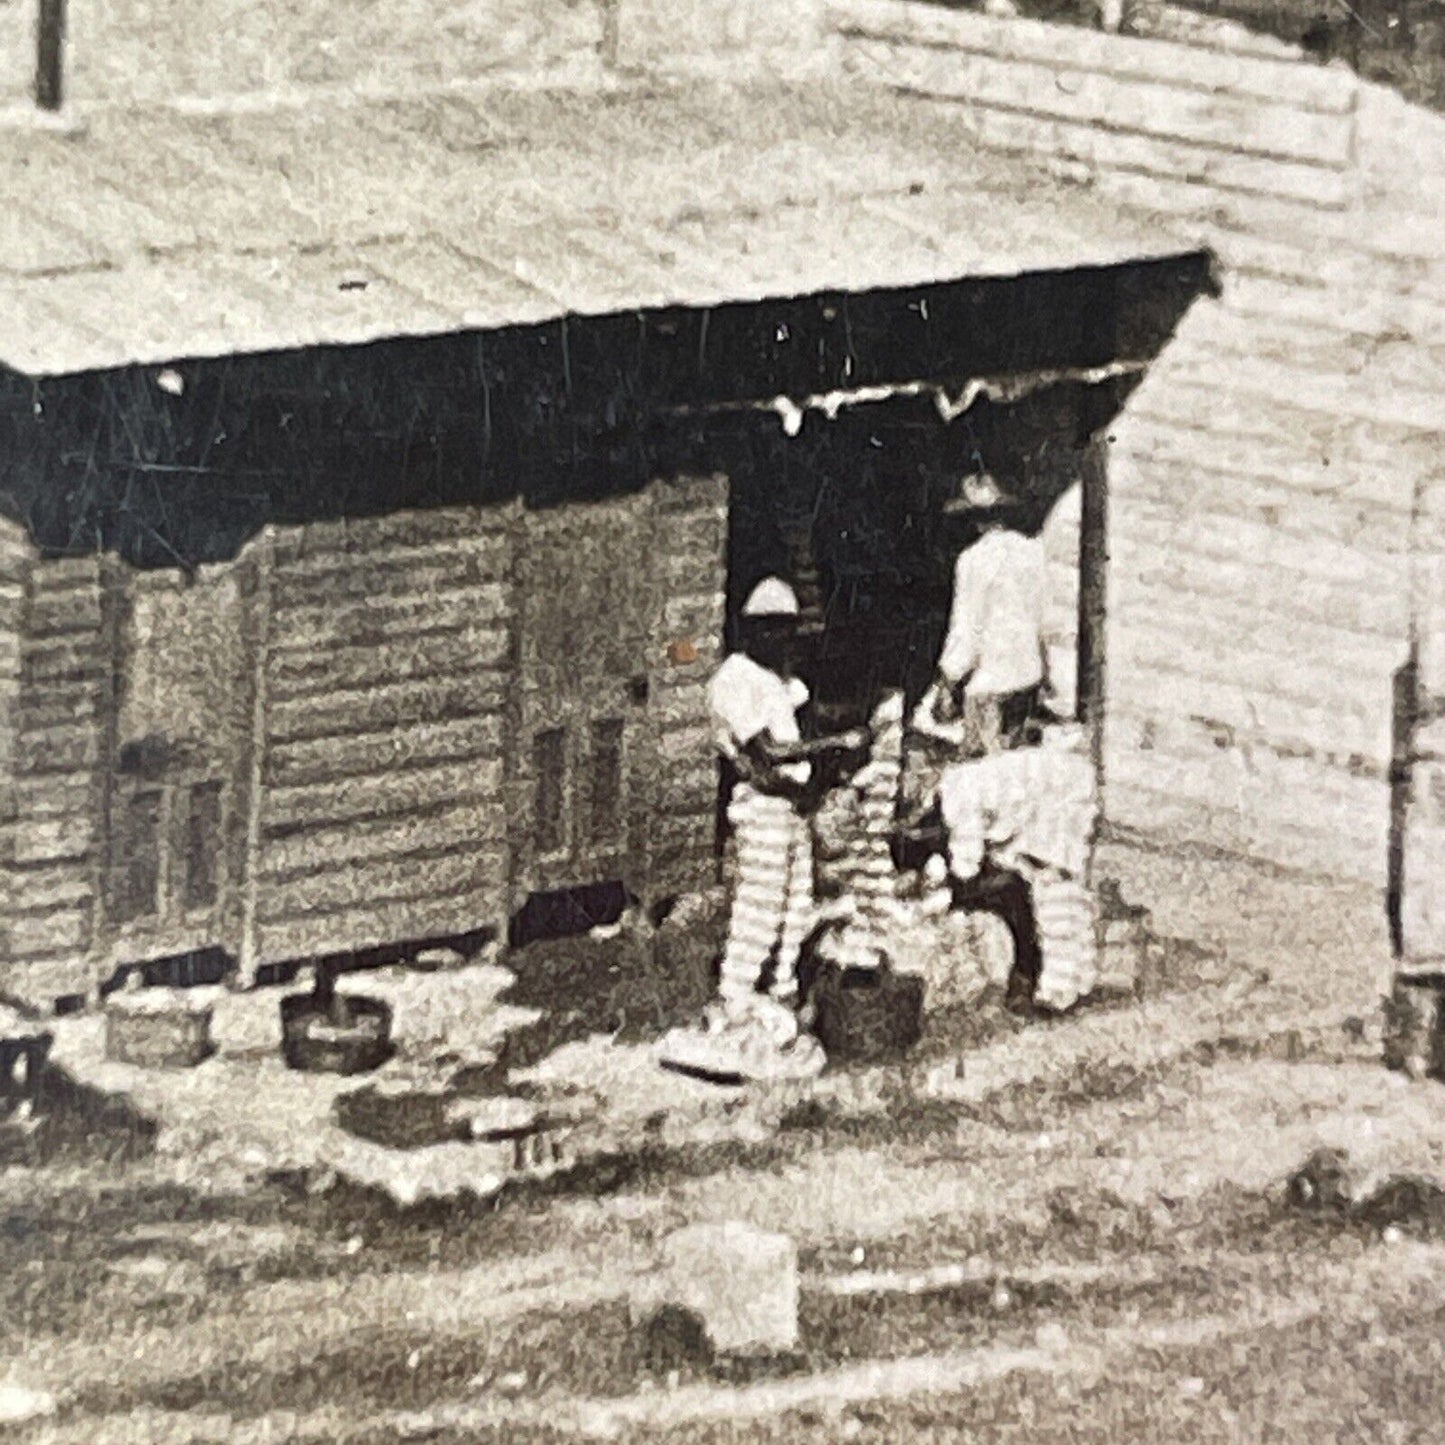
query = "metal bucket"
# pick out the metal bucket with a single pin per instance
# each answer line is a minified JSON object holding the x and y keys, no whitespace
{"x":866,"y":1015}
{"x":351,"y":1035}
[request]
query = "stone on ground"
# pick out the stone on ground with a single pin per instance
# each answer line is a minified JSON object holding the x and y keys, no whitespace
{"x":19,"y":1404}
{"x":158,"y":1028}
{"x":494,"y":1118}
{"x":740,"y":1282}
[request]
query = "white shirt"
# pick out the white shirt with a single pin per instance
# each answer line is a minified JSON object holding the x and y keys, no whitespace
{"x":747,"y":700}
{"x":1025,"y":807}
{"x":996,"y":623}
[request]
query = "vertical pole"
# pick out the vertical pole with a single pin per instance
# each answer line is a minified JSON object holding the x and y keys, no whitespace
{"x":49,"y":54}
{"x":114,"y":605}
{"x":1093,"y":598}
{"x":256,"y":637}
{"x":514,"y":518}
{"x":1422,"y":861}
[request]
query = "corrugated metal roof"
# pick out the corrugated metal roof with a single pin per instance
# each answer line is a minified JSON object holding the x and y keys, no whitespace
{"x":154,"y":236}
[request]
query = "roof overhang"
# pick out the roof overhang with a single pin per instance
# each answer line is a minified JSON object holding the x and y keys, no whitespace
{"x":162,"y":236}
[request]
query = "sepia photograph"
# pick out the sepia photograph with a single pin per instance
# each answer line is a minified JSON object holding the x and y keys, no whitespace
{"x":722,"y":722}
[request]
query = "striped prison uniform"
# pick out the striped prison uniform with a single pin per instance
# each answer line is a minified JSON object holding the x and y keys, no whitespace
{"x":1031,"y":812}
{"x":869,"y":867}
{"x":772,"y":903}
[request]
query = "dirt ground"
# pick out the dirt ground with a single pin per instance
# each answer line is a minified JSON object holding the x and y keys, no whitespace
{"x":1095,"y":1307}
{"x":1089,"y":1243}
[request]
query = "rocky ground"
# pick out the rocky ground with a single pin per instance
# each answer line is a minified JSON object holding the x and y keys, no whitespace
{"x":1083,"y":1236}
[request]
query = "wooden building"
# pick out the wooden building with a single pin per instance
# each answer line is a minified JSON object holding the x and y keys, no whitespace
{"x":364,"y":733}
{"x":363,"y":491}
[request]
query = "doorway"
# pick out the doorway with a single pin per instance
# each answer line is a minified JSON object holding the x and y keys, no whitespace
{"x":586,"y":621}
{"x":169,"y":805}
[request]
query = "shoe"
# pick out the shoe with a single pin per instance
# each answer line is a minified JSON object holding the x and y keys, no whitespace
{"x":1045,"y":1010}
{"x":703,"y":1053}
{"x":776,"y":1018}
{"x":761,"y":1060}
{"x":761,"y":1045}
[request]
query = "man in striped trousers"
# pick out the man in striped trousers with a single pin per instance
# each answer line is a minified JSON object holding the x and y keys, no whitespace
{"x":869,"y":868}
{"x":755,"y":699}
{"x":1026,"y":817}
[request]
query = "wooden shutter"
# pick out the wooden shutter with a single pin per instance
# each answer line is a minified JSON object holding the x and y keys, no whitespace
{"x":606,"y":812}
{"x":549,"y":759}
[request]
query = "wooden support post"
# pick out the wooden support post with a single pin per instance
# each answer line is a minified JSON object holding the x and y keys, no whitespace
{"x":256,"y":638}
{"x":111,"y":580}
{"x":514,"y":890}
{"x":1421,"y":866}
{"x":50,"y":54}
{"x":1093,"y":599}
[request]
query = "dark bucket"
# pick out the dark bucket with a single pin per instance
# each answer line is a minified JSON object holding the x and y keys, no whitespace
{"x":351,"y":1036}
{"x":867,"y":1015}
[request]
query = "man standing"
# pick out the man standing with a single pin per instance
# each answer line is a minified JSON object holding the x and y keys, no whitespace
{"x":755,"y":696}
{"x":993,"y":653}
{"x":1020,"y":827}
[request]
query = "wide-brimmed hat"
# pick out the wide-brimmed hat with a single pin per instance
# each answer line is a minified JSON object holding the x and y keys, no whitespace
{"x":973,"y":474}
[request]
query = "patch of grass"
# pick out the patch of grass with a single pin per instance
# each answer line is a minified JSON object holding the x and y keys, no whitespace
{"x":594,"y":1351}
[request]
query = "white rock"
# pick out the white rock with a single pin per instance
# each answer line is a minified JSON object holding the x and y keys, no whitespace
{"x":493,"y":1118}
{"x":740,"y":1281}
{"x":19,"y":1404}
{"x":1052,"y":1337}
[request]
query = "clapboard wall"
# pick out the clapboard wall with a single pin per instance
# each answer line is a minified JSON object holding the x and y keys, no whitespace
{"x":690,"y":524}
{"x":224,"y":53}
{"x":57,"y":705}
{"x":15,"y":560}
{"x":124,"y":51}
{"x":1260,"y":480}
{"x":386,"y":665}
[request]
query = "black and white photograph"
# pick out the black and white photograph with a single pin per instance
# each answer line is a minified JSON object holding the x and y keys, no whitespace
{"x":722,"y":722}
